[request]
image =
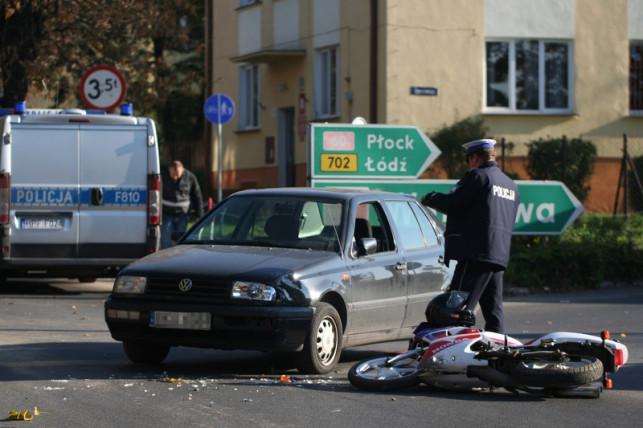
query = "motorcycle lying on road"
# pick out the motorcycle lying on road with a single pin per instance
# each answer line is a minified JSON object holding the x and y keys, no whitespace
{"x":446,"y":353}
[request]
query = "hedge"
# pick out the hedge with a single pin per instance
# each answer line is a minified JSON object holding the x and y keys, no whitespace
{"x":595,"y":251}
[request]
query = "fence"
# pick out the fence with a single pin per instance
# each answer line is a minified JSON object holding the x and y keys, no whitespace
{"x":629,"y":194}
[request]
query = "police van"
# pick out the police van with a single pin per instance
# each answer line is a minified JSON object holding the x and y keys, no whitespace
{"x":79,"y":192}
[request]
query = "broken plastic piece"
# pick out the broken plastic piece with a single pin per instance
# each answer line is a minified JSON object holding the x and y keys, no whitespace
{"x":19,"y":416}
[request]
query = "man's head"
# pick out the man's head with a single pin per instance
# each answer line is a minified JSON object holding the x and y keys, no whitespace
{"x":480,"y":151}
{"x":176,"y":170}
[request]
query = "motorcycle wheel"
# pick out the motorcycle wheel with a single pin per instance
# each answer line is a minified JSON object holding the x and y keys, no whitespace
{"x":377,"y":375}
{"x":558,"y":374}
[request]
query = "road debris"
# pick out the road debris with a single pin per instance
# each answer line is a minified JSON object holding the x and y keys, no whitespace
{"x":15,"y":415}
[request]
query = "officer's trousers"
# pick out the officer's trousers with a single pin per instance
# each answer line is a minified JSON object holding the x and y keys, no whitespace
{"x":483,"y":281}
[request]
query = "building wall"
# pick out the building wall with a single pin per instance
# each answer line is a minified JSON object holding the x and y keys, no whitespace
{"x":438,"y":44}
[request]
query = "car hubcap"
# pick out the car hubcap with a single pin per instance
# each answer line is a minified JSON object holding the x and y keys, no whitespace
{"x":326,"y":340}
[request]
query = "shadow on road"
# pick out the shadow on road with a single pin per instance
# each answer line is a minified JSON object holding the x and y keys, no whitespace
{"x":106,"y":361}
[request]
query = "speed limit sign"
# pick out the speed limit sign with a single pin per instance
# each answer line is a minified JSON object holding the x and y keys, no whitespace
{"x":102,"y":87}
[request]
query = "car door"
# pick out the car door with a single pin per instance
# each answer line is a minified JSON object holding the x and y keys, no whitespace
{"x":420,"y":246}
{"x":378,"y":295}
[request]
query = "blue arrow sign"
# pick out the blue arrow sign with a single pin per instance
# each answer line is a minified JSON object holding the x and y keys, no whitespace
{"x":219,"y":108}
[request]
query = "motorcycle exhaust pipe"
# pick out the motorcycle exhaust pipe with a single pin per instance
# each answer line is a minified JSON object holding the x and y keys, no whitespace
{"x":494,"y":377}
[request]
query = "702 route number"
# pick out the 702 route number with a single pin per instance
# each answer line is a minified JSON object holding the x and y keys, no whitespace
{"x":339,"y":162}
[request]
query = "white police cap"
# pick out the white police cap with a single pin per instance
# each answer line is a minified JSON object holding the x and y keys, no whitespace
{"x":485,"y":143}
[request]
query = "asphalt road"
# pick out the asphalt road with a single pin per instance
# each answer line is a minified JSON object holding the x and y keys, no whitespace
{"x":56,"y":355}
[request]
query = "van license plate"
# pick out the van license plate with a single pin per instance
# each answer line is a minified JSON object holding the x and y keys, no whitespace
{"x":180,"y":320}
{"x":41,"y":223}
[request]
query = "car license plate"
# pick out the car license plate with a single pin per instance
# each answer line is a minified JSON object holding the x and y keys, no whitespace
{"x":338,"y":162}
{"x":180,"y":320}
{"x":41,"y":223}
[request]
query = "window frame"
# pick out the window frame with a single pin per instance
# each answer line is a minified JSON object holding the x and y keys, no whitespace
{"x":637,"y":112}
{"x":249,"y":97}
{"x":327,"y":82}
{"x":542,"y":109}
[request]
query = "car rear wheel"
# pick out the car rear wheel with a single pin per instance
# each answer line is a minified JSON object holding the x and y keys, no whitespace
{"x":323,"y":343}
{"x":145,"y":353}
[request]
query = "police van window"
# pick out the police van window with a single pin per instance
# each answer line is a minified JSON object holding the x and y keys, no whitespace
{"x":407,"y":224}
{"x":430,"y":236}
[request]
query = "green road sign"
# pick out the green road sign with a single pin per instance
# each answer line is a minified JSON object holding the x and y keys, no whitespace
{"x":546,"y":207}
{"x":369,"y":151}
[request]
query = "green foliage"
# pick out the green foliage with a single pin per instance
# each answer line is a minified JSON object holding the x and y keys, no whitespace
{"x":47,"y":46}
{"x":594,"y":250}
{"x":450,"y":139}
{"x":182,"y":117}
{"x":572,"y":162}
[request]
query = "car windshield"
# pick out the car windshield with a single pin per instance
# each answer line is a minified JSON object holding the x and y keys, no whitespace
{"x":272,"y":221}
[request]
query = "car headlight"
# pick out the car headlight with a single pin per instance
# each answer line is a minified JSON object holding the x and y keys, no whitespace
{"x":253,"y":291}
{"x":130,"y":284}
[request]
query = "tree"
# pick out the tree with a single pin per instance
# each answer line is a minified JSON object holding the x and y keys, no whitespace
{"x":571,"y":162}
{"x":449,"y":140}
{"x":47,"y":45}
{"x":21,"y":31}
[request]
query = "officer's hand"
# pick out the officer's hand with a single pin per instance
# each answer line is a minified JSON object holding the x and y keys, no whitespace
{"x":426,"y":198}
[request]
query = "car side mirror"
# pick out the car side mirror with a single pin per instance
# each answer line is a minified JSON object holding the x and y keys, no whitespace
{"x":364,"y":247}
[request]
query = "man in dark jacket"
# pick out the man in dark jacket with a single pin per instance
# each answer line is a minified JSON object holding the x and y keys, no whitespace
{"x":181,"y":192}
{"x":481,"y":211}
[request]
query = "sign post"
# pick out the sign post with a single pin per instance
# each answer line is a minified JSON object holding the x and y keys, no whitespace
{"x":219,"y":109}
{"x":369,"y":151}
{"x":546,"y":207}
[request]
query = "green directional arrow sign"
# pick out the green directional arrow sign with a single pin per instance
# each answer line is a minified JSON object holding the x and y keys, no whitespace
{"x":369,"y":151}
{"x":546,"y":207}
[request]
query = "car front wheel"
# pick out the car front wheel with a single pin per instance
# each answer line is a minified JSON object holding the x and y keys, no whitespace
{"x":323,"y":343}
{"x":145,"y":353}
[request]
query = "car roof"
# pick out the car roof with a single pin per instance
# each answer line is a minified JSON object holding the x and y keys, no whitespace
{"x":326,"y":192}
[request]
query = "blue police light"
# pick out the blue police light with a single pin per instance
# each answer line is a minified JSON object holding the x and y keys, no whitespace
{"x":127,"y":109}
{"x":20,"y":107}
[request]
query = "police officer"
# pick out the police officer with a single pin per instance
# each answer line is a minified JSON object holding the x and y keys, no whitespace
{"x":181,"y":192}
{"x":481,"y":211}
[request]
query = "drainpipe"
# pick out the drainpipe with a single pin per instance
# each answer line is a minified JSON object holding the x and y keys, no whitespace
{"x":373,"y":65}
{"x":209,"y":42}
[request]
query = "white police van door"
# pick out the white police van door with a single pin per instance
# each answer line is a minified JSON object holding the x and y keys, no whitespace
{"x":44,"y":192}
{"x":78,"y":193}
{"x":113,"y":168}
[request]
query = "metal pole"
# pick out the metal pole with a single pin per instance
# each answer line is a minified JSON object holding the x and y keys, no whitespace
{"x":564,"y":159}
{"x":626,"y":186}
{"x":220,"y":163}
{"x":502,"y":142}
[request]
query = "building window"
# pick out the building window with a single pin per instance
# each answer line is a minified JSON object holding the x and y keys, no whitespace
{"x":249,"y":97}
{"x":326,"y":83}
{"x":636,"y":78}
{"x":528,"y":76}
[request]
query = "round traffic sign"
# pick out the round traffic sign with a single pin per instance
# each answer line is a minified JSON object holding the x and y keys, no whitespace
{"x":219,"y":108}
{"x":102,"y":87}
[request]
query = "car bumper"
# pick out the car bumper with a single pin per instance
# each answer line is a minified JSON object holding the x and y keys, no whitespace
{"x":231,"y":327}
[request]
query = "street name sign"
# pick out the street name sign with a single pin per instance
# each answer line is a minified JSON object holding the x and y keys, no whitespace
{"x":369,"y":151}
{"x":546,"y":207}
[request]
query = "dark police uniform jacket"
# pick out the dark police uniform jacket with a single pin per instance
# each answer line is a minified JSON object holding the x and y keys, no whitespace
{"x":481,"y":211}
{"x":179,"y":195}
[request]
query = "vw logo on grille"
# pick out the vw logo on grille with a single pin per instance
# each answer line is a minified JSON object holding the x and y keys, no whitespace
{"x":185,"y":285}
